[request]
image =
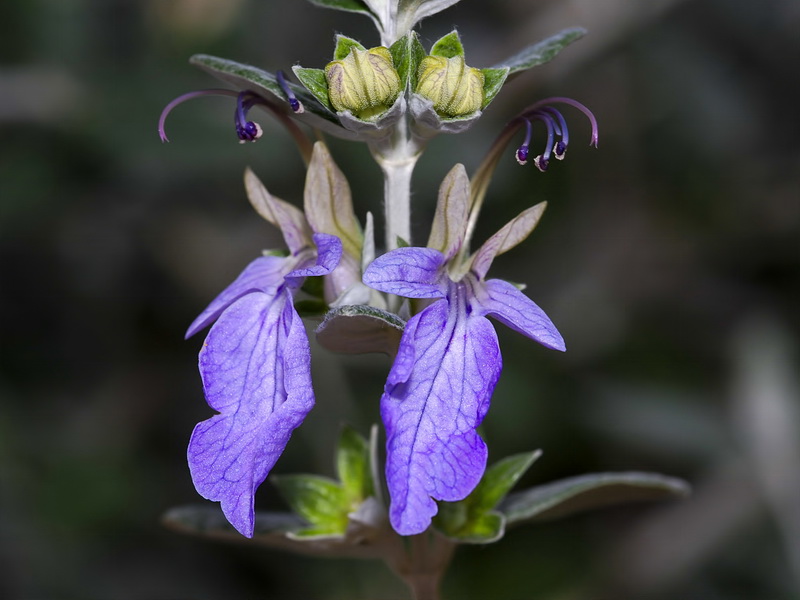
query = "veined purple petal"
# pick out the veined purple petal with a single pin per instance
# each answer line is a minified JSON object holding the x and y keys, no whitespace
{"x":514,"y":309}
{"x":263,"y":274}
{"x":437,"y":394}
{"x":408,"y":272}
{"x":255,"y":367}
{"x":329,"y":251}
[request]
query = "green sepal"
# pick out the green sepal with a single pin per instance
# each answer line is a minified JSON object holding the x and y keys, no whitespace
{"x":448,"y":46}
{"x":407,"y":52}
{"x":474,"y":519}
{"x":315,"y":82}
{"x":541,"y":52}
{"x":401,"y":243}
{"x":318,"y":500}
{"x":493,"y":80}
{"x":353,"y":467}
{"x":585,"y":492}
{"x":343,"y":46}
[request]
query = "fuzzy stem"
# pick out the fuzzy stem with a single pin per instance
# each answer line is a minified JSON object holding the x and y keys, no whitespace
{"x":397,"y":158}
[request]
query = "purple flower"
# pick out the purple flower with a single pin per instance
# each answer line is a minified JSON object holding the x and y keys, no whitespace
{"x":448,"y":362}
{"x":255,"y":367}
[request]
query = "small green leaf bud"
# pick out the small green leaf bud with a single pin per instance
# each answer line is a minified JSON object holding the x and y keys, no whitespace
{"x":365,"y":82}
{"x":455,"y":89}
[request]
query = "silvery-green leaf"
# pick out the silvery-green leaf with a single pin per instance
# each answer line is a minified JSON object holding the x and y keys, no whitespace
{"x":288,"y":218}
{"x":407,"y":52}
{"x":247,"y":77}
{"x":561,"y":498}
{"x":428,"y":123}
{"x":474,"y":520}
{"x":271,"y":531}
{"x":450,"y":218}
{"x":493,"y":80}
{"x":541,"y":52}
{"x":411,"y":12}
{"x":360,"y":330}
{"x":448,"y":46}
{"x":356,"y":6}
{"x":511,"y":234}
{"x":343,"y":46}
{"x":318,"y":500}
{"x":353,"y":466}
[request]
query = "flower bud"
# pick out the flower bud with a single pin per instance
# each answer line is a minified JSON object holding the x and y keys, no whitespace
{"x":365,"y":82}
{"x":455,"y":89}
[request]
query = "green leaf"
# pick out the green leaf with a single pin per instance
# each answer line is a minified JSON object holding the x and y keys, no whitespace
{"x":493,"y":80}
{"x":315,"y":82}
{"x":272,"y":530}
{"x":448,"y":46}
{"x":500,"y":478}
{"x":541,"y":52}
{"x":318,"y":500}
{"x":586,"y":492}
{"x":407,"y":52}
{"x":353,"y":466}
{"x":343,"y":46}
{"x":360,"y":329}
{"x":356,"y":6}
{"x":474,"y":520}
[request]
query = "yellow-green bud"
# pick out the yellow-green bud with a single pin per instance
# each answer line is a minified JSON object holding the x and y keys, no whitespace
{"x":364,"y":82}
{"x":454,"y":88}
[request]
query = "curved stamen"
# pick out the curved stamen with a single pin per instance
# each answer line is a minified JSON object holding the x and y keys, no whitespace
{"x":180,"y":100}
{"x":539,"y":110}
{"x":245,"y":130}
{"x":543,"y":160}
{"x":294,"y":103}
{"x":574,"y":103}
{"x":560,"y":149}
{"x":248,"y":131}
{"x":522,"y":152}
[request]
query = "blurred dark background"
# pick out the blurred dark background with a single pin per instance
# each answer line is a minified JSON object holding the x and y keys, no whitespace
{"x":669,"y":258}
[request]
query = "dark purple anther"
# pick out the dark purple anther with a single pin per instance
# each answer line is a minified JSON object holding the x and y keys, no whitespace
{"x":248,"y":131}
{"x":560,"y":150}
{"x":522,"y":152}
{"x":541,"y":163}
{"x":294,"y":103}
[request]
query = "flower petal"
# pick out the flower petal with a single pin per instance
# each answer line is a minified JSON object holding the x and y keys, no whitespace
{"x":329,"y":251}
{"x":512,"y":233}
{"x":450,"y":219}
{"x":437,"y":394}
{"x":514,"y":309}
{"x":263,"y":274}
{"x":408,"y":272}
{"x":286,"y":217}
{"x":256,"y":372}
